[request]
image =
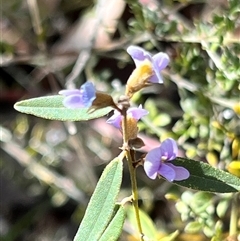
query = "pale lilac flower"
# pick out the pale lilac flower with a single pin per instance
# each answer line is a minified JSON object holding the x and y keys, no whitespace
{"x":135,"y":112}
{"x":159,"y":61}
{"x":79,"y":98}
{"x":158,"y":162}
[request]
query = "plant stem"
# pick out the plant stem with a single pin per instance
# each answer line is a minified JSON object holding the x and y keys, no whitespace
{"x":132,"y":172}
{"x":234,"y":216}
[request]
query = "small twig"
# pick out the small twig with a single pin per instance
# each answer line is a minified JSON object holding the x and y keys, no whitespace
{"x":34,"y":12}
{"x":42,"y":173}
{"x":85,"y":54}
{"x":82,"y":59}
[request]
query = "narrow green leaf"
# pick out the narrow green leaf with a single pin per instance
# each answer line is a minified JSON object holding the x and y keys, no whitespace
{"x":51,"y":107}
{"x":148,"y":226}
{"x":114,"y":228}
{"x":170,"y":237}
{"x":193,"y":227}
{"x":102,"y":202}
{"x":207,"y":178}
{"x":222,"y":207}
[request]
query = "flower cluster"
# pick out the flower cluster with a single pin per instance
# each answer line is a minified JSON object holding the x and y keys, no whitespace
{"x":158,"y":62}
{"x":158,"y":162}
{"x":79,"y":98}
{"x":133,"y":115}
{"x":86,"y":97}
{"x":135,"y":112}
{"x":148,"y":71}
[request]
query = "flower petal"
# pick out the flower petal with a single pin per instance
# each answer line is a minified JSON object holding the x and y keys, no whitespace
{"x":88,"y":89}
{"x":152,"y":162}
{"x":167,"y":171}
{"x":73,"y":101}
{"x":169,"y":149}
{"x":156,"y":78}
{"x":138,"y":54}
{"x":154,"y":155}
{"x":88,"y":93}
{"x":137,"y":112}
{"x":160,"y":61}
{"x":181,"y":173}
{"x":115,"y":120}
{"x":69,"y":92}
{"x":81,"y":98}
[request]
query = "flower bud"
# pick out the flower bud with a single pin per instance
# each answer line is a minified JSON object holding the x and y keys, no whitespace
{"x":132,"y":129}
{"x":234,"y":168}
{"x":148,"y":69}
{"x":139,"y":78}
{"x":136,"y":143}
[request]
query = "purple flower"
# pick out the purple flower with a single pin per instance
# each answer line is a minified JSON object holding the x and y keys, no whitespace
{"x":79,"y":98}
{"x":159,"y":61}
{"x":157,"y":161}
{"x":135,"y":112}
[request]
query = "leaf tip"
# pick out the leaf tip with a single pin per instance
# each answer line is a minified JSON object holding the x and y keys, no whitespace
{"x":16,"y":106}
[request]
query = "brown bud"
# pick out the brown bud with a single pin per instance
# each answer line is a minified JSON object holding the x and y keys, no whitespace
{"x":102,"y":100}
{"x":139,"y":78}
{"x":132,"y":129}
{"x":136,"y":143}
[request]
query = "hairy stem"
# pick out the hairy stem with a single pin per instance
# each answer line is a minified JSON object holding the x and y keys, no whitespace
{"x":132,"y":172}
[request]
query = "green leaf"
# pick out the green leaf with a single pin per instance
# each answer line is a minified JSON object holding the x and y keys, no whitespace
{"x":222,"y":207}
{"x":170,"y":237}
{"x":207,"y":178}
{"x":114,"y":228}
{"x":51,"y":107}
{"x":200,"y":202}
{"x":162,"y":120}
{"x":148,"y":226}
{"x":101,"y":206}
{"x":193,"y":227}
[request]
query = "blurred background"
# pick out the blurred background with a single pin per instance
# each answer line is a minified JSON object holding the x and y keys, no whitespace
{"x":49,"y":169}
